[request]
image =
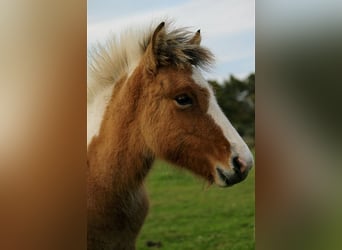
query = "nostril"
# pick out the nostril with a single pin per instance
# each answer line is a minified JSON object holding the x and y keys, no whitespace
{"x":239,"y":165}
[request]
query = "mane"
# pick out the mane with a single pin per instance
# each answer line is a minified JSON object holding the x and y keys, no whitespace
{"x":119,"y":55}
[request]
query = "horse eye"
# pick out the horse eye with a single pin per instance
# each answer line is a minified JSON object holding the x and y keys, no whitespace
{"x":183,"y":101}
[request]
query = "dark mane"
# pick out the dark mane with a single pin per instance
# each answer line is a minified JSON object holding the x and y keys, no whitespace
{"x":174,"y":48}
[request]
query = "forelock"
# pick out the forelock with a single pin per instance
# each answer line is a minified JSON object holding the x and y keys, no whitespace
{"x":174,"y":48}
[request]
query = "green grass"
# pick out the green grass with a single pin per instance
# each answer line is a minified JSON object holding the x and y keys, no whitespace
{"x":184,"y":215}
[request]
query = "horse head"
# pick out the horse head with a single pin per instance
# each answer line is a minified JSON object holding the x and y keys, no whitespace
{"x":179,"y":118}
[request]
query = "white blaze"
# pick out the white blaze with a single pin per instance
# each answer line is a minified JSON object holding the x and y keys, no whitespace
{"x":238,"y":146}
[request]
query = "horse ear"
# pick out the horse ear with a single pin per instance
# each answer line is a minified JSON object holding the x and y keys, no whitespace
{"x":196,"y":39}
{"x":151,"y":51}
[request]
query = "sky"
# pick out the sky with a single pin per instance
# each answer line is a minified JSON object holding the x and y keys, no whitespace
{"x":227,"y":27}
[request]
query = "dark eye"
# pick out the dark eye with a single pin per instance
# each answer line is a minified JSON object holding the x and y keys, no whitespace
{"x":183,"y":101}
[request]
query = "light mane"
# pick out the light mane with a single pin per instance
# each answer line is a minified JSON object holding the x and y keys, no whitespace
{"x":119,"y":55}
{"x":108,"y":61}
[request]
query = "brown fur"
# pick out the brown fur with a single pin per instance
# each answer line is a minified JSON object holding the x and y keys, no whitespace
{"x":143,"y":122}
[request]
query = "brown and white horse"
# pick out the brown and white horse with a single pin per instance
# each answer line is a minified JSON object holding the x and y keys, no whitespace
{"x":147,"y":99}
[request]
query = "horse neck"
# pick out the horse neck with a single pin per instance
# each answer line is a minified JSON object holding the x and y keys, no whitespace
{"x":118,"y":159}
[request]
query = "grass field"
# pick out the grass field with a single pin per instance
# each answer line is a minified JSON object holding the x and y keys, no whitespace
{"x":185,"y":215}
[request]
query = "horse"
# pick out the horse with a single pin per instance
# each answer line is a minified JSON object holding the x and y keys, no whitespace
{"x":148,"y":99}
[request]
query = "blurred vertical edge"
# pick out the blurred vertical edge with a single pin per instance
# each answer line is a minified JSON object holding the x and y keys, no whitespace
{"x":298,"y":125}
{"x":42,"y":125}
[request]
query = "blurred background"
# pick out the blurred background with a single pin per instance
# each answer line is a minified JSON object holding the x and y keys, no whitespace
{"x":42,"y":125}
{"x":298,"y":124}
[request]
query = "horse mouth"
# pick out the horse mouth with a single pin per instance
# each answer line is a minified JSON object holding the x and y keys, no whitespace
{"x":229,"y":178}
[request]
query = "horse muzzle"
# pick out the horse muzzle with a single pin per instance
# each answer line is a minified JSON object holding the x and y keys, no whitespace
{"x":237,"y":173}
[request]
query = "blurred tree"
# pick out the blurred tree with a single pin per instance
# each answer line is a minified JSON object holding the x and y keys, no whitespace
{"x":236,"y":98}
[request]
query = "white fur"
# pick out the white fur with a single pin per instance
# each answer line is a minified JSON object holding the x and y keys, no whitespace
{"x":238,"y":146}
{"x":96,"y":110}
